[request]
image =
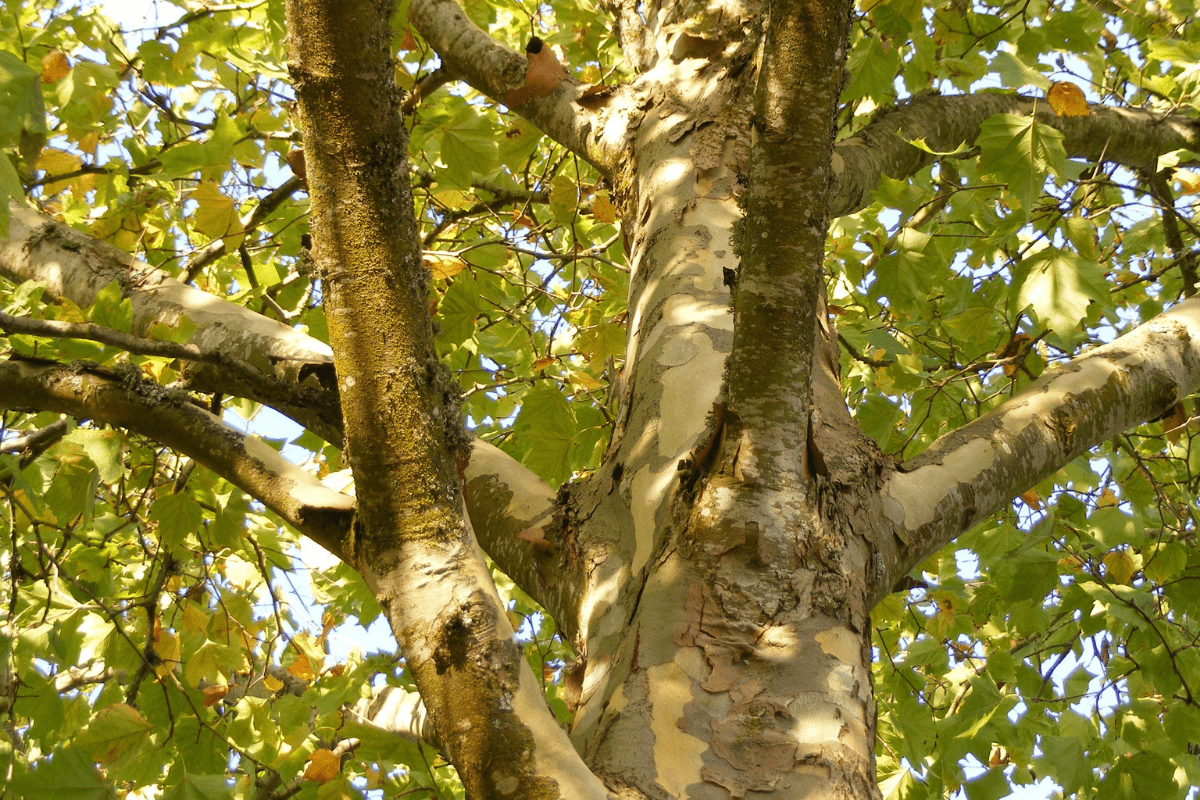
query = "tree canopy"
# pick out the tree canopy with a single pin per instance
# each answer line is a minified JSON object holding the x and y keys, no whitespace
{"x":1009,"y":190}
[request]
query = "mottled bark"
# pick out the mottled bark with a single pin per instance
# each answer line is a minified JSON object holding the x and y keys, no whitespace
{"x":968,"y":474}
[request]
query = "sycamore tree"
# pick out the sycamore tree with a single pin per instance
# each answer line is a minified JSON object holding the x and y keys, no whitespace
{"x":722,"y":399}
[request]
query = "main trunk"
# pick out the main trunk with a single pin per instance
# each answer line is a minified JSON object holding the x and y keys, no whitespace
{"x":725,"y":618}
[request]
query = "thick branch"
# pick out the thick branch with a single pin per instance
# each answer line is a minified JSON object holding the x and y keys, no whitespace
{"x":783,"y":248}
{"x":414,"y":544}
{"x":76,"y":266}
{"x":492,"y":68}
{"x":513,"y":513}
{"x":139,"y":405}
{"x":1126,"y":136}
{"x":970,"y":473}
{"x":230,"y":336}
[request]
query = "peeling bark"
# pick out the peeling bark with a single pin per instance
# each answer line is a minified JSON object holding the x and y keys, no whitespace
{"x":968,"y":474}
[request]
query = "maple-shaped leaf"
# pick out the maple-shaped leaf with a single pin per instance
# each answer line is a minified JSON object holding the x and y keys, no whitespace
{"x":115,"y":732}
{"x":1067,"y":100}
{"x":216,"y":215}
{"x":543,"y":76}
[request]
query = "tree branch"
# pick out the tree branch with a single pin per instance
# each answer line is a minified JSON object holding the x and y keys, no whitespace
{"x":129,"y":401}
{"x":513,"y":512}
{"x":502,"y":494}
{"x":1127,"y":136}
{"x":76,"y":266}
{"x":413,"y":541}
{"x":492,"y":68}
{"x":968,"y":474}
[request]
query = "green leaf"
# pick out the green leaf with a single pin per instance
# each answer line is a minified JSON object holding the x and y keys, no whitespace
{"x":468,"y":147}
{"x":1020,"y":152}
{"x":111,"y":309}
{"x":1065,"y":760}
{"x":1059,"y":286}
{"x":66,"y":775}
{"x":879,"y":418}
{"x":22,"y":112}
{"x":103,"y":447}
{"x":117,"y":732}
{"x":546,"y":429}
{"x":199,"y":787}
{"x":1015,"y":73}
{"x":178,"y":516}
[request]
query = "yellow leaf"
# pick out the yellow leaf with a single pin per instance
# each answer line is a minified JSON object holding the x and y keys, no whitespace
{"x":272,"y":683}
{"x":215,"y":215}
{"x":544,"y":362}
{"x":603,"y":210}
{"x":1106,"y":499}
{"x":323,"y":766}
{"x":301,"y":668}
{"x":1067,"y":100}
{"x":214,"y":695}
{"x":54,"y":66}
{"x":1119,"y":566}
{"x":1189,"y":181}
{"x":166,"y":647}
{"x":58,"y":162}
{"x":88,"y":142}
{"x":443,"y":264}
{"x":194,"y":618}
{"x":584,"y":381}
{"x":454,"y":199}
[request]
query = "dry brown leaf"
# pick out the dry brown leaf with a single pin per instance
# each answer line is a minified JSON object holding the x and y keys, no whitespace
{"x":536,"y":537}
{"x":1067,"y":100}
{"x":295,"y":160}
{"x":543,"y":76}
{"x":544,"y":362}
{"x":323,"y":765}
{"x":1031,"y":499}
